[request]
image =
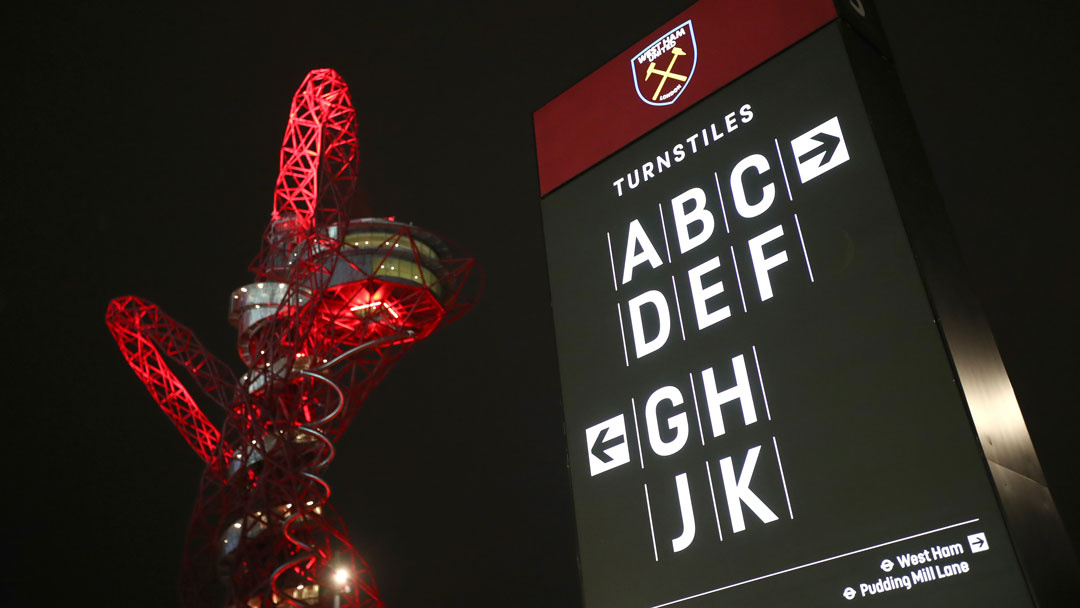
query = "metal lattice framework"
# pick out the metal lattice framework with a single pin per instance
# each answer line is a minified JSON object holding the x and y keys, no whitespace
{"x":335,"y":303}
{"x":321,"y":133}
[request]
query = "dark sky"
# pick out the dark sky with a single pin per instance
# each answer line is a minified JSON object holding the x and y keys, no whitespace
{"x":141,"y":153}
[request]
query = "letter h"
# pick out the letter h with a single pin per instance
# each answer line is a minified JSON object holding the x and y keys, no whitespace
{"x":741,"y":392}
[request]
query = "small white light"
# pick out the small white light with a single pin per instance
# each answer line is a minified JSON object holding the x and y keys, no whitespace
{"x":341,"y":576}
{"x":259,"y":285}
{"x":236,"y":525}
{"x":243,"y":290}
{"x":288,"y":505}
{"x":310,"y":502}
{"x":299,"y":586}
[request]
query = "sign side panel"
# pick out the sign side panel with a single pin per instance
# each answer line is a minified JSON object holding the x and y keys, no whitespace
{"x":1036,"y":526}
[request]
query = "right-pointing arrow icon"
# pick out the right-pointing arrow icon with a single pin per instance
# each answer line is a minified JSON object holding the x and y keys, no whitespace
{"x":607,"y":445}
{"x":978,"y":542}
{"x":828,"y":146}
{"x":820,"y":149}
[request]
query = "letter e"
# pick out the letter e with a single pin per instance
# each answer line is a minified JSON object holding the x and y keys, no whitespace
{"x":701,"y":294}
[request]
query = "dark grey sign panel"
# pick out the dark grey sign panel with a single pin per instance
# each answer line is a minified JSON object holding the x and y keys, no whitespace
{"x":759,"y":407}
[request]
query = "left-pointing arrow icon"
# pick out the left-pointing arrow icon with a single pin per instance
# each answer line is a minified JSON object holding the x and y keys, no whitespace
{"x":599,"y":449}
{"x":607,"y":446}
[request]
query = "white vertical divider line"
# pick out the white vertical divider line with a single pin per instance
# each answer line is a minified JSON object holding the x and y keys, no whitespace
{"x":611,"y":258}
{"x":761,"y":381}
{"x":697,"y":411}
{"x":637,"y":433}
{"x":782,"y":479}
{"x":678,"y":309}
{"x":723,"y":212}
{"x":712,"y":492}
{"x":783,"y":169}
{"x":738,"y":280}
{"x":652,"y":532}
{"x":805,"y":257}
{"x":663,"y":226}
{"x":622,"y":334}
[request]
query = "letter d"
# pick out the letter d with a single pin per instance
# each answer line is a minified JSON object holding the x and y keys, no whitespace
{"x":642,"y":346}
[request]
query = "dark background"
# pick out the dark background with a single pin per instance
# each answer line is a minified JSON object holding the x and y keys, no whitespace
{"x":141,"y":147}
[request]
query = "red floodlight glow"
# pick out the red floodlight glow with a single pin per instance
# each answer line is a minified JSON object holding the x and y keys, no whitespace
{"x":334,"y":305}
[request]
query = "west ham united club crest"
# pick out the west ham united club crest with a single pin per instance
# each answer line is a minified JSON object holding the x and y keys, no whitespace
{"x":663,"y":69}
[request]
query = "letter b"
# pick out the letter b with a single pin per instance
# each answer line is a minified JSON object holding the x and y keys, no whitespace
{"x":683,"y":219}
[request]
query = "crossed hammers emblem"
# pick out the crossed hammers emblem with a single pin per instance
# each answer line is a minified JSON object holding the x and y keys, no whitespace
{"x":675,"y":54}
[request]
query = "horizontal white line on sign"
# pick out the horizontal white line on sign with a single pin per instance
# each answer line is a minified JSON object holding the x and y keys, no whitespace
{"x":815,"y":563}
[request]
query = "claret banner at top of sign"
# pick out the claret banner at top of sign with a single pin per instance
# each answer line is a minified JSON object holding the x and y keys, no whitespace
{"x":700,"y":50}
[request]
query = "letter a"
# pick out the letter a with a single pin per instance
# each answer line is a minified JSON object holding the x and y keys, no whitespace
{"x":635,"y":239}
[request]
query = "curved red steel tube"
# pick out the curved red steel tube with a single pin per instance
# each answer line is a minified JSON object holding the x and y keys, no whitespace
{"x":143,"y":331}
{"x":319,"y":145}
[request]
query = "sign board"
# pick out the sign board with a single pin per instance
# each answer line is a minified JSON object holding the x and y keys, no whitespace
{"x":760,"y":409}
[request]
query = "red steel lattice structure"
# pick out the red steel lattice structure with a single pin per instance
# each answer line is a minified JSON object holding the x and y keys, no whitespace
{"x":334,"y":304}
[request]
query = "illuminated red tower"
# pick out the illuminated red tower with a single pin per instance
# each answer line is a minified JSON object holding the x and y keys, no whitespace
{"x":333,"y":305}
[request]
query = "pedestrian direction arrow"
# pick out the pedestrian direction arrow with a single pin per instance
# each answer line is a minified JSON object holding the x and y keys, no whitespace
{"x":820,"y":149}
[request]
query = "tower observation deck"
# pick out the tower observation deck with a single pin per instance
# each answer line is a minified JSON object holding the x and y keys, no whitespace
{"x":333,"y":305}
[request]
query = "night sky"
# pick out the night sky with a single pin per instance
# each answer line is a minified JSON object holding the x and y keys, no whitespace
{"x":141,"y":153}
